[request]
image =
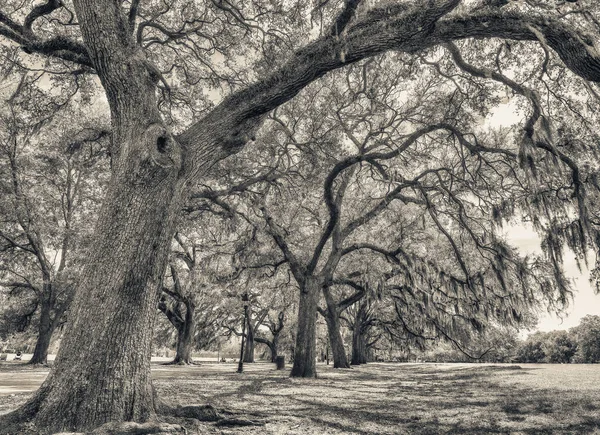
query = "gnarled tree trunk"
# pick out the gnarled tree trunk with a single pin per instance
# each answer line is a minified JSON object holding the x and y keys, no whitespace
{"x":111,"y":330}
{"x":102,"y":370}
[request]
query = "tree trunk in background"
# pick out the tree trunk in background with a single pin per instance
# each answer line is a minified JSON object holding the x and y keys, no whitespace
{"x":45,"y":328}
{"x":272,"y":345}
{"x":359,"y":346}
{"x":305,"y":348}
{"x":338,"y":351}
{"x":332,"y":318}
{"x":185,"y":336}
{"x":249,"y":349}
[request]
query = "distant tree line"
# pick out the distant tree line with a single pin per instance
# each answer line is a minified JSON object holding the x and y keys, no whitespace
{"x":580,"y":344}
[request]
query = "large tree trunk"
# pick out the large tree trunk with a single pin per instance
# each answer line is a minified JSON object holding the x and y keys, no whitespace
{"x":102,"y":370}
{"x":185,"y":336}
{"x":274,"y":345}
{"x":45,"y":329}
{"x":305,"y":348}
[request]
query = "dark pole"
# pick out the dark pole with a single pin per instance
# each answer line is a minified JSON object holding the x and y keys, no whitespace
{"x":241,"y":363}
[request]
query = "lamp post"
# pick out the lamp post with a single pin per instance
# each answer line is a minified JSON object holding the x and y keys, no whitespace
{"x":241,"y":363}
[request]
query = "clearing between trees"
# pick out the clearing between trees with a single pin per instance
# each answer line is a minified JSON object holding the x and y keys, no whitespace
{"x":379,"y":398}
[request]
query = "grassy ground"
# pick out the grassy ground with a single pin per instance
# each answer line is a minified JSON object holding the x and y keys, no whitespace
{"x":379,"y":398}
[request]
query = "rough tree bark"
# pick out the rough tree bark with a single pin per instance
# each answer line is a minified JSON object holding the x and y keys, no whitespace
{"x":102,"y":371}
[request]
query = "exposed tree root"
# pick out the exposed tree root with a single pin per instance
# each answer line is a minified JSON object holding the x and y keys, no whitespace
{"x":130,"y":428}
{"x":208,"y":413}
{"x":198,"y":412}
{"x":181,"y":363}
{"x":231,"y":422}
{"x":22,"y":421}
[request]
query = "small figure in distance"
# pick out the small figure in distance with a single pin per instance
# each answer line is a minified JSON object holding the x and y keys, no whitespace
{"x":18,"y":356}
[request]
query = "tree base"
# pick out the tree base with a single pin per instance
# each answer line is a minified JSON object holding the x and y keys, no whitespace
{"x":11,"y":427}
{"x":38,"y":364}
{"x":169,"y":421}
{"x":341,"y":366}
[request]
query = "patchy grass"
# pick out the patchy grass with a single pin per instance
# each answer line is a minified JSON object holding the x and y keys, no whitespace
{"x":380,"y":398}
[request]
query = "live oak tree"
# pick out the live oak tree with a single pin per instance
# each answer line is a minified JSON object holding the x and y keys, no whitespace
{"x":102,"y":371}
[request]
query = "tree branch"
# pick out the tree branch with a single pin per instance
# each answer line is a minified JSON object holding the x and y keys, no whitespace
{"x":414,"y":29}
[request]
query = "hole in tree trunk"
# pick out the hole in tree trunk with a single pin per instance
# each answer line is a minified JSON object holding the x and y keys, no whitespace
{"x":161,"y":144}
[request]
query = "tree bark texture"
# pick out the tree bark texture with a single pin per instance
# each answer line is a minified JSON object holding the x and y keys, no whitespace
{"x":102,"y":370}
{"x":306,"y":340}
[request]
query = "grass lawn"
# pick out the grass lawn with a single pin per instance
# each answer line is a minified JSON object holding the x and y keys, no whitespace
{"x":378,"y":398}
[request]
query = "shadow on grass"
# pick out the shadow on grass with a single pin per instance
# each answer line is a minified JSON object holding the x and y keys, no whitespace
{"x":461,"y":401}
